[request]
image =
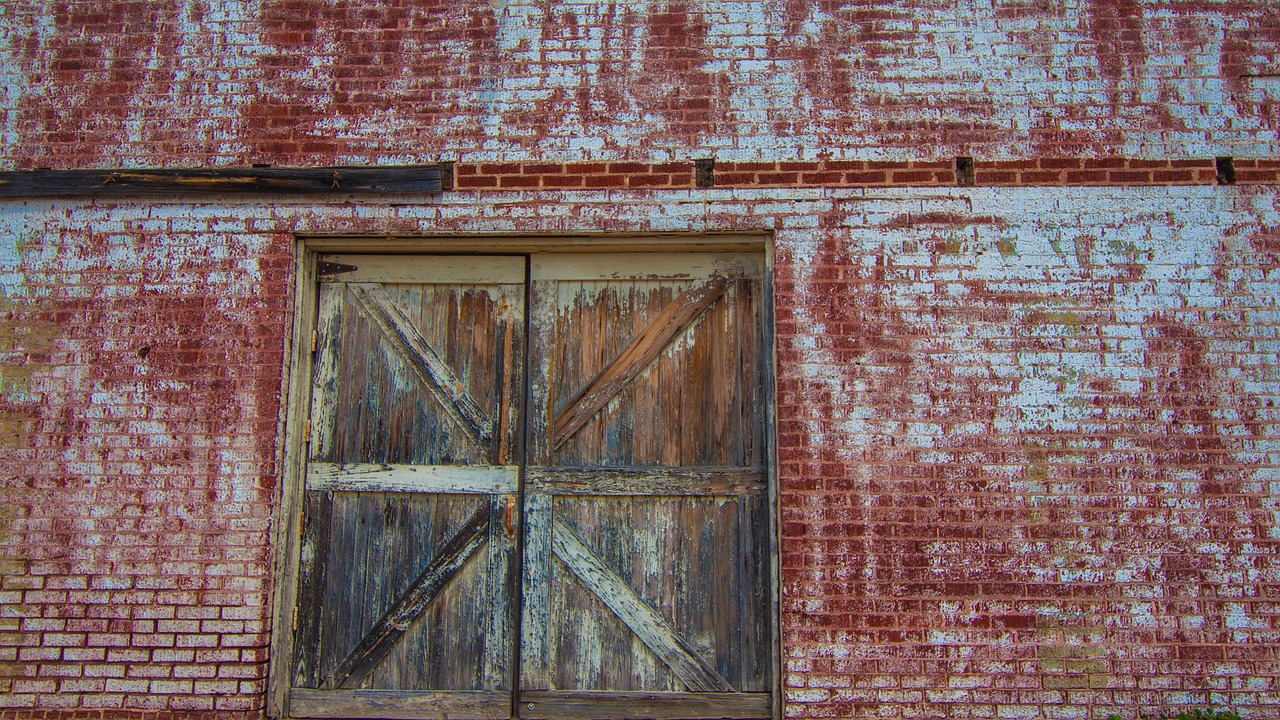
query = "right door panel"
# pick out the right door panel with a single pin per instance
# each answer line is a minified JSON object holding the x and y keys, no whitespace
{"x":646,"y":573}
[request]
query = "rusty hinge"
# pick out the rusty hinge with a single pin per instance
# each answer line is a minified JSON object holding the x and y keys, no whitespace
{"x":295,"y":619}
{"x":315,"y":338}
{"x":332,"y":268}
{"x":306,"y":432}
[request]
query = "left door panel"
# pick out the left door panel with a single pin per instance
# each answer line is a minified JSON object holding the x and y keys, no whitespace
{"x":409,"y":550}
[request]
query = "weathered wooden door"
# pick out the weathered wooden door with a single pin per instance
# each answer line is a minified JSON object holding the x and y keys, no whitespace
{"x":409,"y":552}
{"x":637,"y":486}
{"x":646,"y":566}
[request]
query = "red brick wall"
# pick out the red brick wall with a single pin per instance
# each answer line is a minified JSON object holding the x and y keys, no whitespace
{"x":141,"y":397}
{"x":212,"y":82}
{"x":1028,"y":441}
{"x":1029,"y":433}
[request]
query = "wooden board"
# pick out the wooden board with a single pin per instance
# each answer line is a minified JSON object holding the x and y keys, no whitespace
{"x":669,"y":481}
{"x":646,"y":266}
{"x":377,"y":477}
{"x":399,"y":705}
{"x":536,"y":705}
{"x":417,"y":373}
{"x":124,"y":182}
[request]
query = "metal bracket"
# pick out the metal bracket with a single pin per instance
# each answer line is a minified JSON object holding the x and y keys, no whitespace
{"x":333,"y":268}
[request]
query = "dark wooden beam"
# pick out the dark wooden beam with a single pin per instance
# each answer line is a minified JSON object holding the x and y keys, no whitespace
{"x":126,"y":182}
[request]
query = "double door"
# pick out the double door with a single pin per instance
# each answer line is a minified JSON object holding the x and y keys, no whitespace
{"x":536,"y":486}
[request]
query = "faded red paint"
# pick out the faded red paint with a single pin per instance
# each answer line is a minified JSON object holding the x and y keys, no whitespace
{"x":930,"y":571}
{"x":316,"y":82}
{"x":332,"y":65}
{"x":97,"y":67}
{"x":145,"y":477}
{"x":1026,"y":431}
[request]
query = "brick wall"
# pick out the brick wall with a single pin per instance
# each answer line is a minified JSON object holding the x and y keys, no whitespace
{"x":306,"y":82}
{"x":1028,"y":429}
{"x":1028,"y":440}
{"x":142,"y":370}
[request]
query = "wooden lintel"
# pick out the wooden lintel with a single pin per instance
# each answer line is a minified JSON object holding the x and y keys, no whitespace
{"x":125,"y":182}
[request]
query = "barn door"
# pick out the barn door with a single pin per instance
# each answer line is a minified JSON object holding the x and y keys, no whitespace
{"x":645,"y":578}
{"x":408,"y":556}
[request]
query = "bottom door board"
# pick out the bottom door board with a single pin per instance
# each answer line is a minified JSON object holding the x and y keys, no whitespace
{"x":585,"y":705}
{"x":399,"y":704}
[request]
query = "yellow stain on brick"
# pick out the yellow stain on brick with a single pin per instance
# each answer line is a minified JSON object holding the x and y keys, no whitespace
{"x":24,"y":343}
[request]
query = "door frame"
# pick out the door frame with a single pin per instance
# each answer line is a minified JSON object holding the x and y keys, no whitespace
{"x":294,"y":423}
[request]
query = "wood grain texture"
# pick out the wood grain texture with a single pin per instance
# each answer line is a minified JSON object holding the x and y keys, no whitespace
{"x":535,"y":623}
{"x":677,"y":481}
{"x":695,"y":404}
{"x":220,"y":181}
{"x":542,"y":369}
{"x":644,"y":621}
{"x":641,"y":351}
{"x":325,"y":373}
{"x":312,"y":579}
{"x":377,"y":477}
{"x":435,"y":373}
{"x":499,"y":622}
{"x":584,"y":705}
{"x":646,"y":266}
{"x":655,"y":482}
{"x":409,"y":607}
{"x":399,"y":704}
{"x":290,"y":526}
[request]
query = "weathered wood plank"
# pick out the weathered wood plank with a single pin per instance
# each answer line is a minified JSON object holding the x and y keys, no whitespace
{"x":324,"y":374}
{"x":124,"y":182}
{"x":542,"y":327}
{"x":313,"y":559}
{"x":498,"y":656}
{"x":507,"y":374}
{"x":535,"y":630}
{"x":376,"y":477}
{"x":769,"y":421}
{"x":408,"y":607}
{"x":644,"y":621}
{"x":399,"y":704}
{"x":756,"y":648}
{"x":642,"y":350}
{"x":427,"y":269}
{"x":673,"y":481}
{"x":584,"y":705}
{"x":288,"y":530}
{"x":428,"y":364}
{"x":645,"y":266}
{"x":611,"y":243}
